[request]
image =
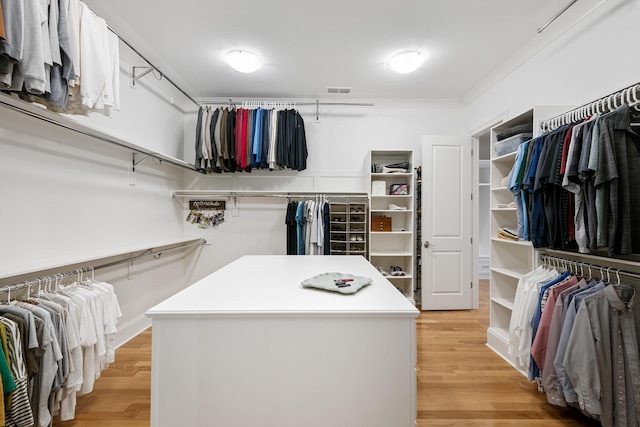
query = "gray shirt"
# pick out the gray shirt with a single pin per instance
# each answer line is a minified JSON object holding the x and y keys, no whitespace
{"x":602,"y":358}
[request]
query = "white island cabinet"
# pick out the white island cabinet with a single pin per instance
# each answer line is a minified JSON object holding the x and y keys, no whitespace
{"x":248,"y":346}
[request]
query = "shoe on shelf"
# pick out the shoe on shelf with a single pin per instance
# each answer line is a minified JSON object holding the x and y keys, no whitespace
{"x":352,"y":238}
{"x":393,"y":207}
{"x":382,"y":271}
{"x":359,"y":238}
{"x":398,"y":271}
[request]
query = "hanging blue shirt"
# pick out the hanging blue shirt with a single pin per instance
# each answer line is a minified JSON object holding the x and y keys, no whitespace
{"x":300,"y":221}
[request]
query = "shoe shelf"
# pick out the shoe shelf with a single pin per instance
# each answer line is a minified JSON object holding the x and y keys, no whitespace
{"x":348,"y":222}
{"x":391,"y":232}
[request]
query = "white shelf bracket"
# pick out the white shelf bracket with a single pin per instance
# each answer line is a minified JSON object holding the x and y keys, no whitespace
{"x":138,"y":72}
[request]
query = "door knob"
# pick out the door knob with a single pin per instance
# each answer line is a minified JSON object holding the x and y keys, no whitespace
{"x":427,"y":244}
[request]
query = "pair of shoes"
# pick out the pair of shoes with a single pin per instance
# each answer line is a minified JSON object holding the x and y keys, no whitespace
{"x":356,"y":239}
{"x":397,"y":271}
{"x":337,"y":219}
{"x":356,"y":219}
{"x":382,"y":271}
{"x":356,"y":210}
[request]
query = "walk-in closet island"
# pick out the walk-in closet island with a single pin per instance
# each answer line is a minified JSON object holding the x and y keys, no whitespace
{"x":249,"y":345}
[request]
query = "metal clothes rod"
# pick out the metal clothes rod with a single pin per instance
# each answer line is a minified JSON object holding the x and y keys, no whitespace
{"x":153,"y":66}
{"x":582,"y":265}
{"x":24,"y":285}
{"x":205,"y":193}
{"x":70,"y":127}
{"x":629,"y":95}
{"x":292,"y":103}
{"x":556,"y":16}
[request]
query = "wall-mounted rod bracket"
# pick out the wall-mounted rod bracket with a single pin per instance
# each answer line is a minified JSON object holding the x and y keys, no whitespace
{"x":138,"y":163}
{"x":138,"y":72}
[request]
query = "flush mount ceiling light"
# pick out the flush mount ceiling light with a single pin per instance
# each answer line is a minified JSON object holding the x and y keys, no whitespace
{"x":243,"y":61}
{"x":407,"y":62}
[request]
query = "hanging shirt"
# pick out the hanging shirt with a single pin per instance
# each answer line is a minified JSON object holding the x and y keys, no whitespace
{"x":199,"y":163}
{"x":616,"y":180}
{"x":549,"y":376}
{"x":20,"y":412}
{"x":534,"y":371}
{"x":602,"y":358}
{"x":523,"y":307}
{"x":572,"y":301}
{"x":300,"y":221}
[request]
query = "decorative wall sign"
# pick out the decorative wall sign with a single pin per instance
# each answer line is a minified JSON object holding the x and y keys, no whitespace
{"x":207,"y":205}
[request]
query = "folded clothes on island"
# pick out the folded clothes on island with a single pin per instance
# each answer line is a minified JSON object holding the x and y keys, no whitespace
{"x":337,"y":282}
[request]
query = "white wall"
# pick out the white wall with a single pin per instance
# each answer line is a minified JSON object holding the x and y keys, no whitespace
{"x":66,"y":197}
{"x":592,"y":59}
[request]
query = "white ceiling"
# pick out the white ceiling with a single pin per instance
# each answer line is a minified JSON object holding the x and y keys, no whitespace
{"x":307,"y":46}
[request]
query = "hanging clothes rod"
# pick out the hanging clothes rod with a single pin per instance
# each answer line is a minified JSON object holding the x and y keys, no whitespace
{"x":234,"y":194}
{"x":284,"y":102}
{"x":629,"y":95}
{"x":76,"y":128}
{"x":148,"y":253}
{"x":189,"y":97}
{"x":545,"y":258}
{"x":556,"y":16}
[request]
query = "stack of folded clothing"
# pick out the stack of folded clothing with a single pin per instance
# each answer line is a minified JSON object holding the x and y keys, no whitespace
{"x":508,"y":233}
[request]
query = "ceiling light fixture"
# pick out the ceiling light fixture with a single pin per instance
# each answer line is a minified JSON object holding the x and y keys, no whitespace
{"x":243,"y":61}
{"x":407,"y":62}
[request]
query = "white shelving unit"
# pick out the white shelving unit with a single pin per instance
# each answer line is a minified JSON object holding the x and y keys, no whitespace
{"x":396,"y":246}
{"x":348,"y":228}
{"x":509,"y":259}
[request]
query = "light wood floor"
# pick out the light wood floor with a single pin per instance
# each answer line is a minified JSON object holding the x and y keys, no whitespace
{"x":460,"y":381}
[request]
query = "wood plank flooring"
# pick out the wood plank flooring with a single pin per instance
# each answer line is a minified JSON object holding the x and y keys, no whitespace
{"x":460,"y":381}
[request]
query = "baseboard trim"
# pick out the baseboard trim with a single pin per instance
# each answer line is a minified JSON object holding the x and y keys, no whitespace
{"x":131,"y":329}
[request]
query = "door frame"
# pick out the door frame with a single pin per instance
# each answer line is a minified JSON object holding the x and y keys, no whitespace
{"x":475,"y":157}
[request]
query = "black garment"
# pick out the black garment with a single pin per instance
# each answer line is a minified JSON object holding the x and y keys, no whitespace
{"x":300,"y":144}
{"x":280,"y":139}
{"x":327,"y":229}
{"x":231,"y":141}
{"x":292,"y":235}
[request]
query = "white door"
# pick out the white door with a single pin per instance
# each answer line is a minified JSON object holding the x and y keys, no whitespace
{"x":447,"y":215}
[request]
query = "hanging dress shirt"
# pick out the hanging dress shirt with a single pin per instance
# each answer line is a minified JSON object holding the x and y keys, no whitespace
{"x":602,"y":358}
